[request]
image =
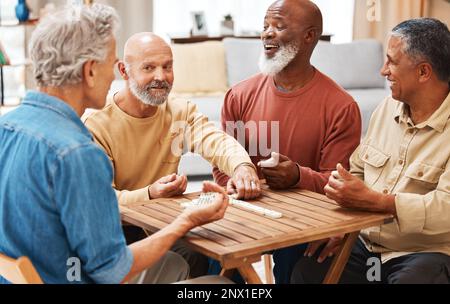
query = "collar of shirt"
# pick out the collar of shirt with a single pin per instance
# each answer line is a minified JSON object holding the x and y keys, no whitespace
{"x":42,"y":100}
{"x":437,"y":121}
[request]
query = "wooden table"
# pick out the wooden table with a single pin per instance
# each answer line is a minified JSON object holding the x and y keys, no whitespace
{"x":242,"y":237}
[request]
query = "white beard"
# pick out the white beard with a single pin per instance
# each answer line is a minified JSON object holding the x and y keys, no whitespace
{"x":274,"y":65}
{"x":144,"y":95}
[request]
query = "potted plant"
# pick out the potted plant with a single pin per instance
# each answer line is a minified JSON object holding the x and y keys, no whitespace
{"x":227,"y":25}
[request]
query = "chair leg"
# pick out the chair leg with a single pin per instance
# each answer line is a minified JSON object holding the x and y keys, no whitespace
{"x":268,"y":268}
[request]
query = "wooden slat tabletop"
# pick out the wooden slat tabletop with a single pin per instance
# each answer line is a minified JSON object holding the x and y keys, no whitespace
{"x":307,"y":216}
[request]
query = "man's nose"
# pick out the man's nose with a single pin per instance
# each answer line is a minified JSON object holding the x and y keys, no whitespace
{"x":159,"y":74}
{"x":384,"y":70}
{"x":268,"y":34}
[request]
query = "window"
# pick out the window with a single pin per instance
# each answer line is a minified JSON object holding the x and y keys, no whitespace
{"x":174,"y":16}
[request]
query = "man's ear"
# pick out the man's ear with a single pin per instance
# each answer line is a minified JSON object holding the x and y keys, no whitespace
{"x":311,"y":35}
{"x":89,"y":68}
{"x":122,"y":70}
{"x":425,"y":71}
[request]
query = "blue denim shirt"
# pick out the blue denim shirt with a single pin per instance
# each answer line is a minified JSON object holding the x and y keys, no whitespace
{"x":56,"y":198}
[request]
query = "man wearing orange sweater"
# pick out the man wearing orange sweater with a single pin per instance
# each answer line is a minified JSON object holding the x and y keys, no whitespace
{"x":310,"y":123}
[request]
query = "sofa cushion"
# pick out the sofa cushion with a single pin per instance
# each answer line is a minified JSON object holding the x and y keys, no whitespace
{"x":199,"y":67}
{"x":368,"y":100}
{"x":353,"y":65}
{"x":242,"y":58}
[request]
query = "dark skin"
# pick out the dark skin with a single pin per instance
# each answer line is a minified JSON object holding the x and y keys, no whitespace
{"x":288,"y":22}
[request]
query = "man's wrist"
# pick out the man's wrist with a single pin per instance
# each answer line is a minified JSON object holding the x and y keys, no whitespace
{"x":184,"y":223}
{"x":297,"y":183}
{"x":150,"y":192}
{"x":384,"y":202}
{"x":251,"y":165}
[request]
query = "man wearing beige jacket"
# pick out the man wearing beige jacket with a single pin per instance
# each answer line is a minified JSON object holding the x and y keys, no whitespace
{"x":402,"y":167}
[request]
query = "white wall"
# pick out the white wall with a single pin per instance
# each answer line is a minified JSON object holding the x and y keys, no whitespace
{"x":174,"y":16}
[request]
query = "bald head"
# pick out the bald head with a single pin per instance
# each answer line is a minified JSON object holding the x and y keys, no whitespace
{"x":147,"y":68}
{"x":144,"y":45}
{"x":303,"y":12}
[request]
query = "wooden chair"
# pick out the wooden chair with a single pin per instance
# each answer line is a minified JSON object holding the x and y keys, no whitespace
{"x":19,"y":271}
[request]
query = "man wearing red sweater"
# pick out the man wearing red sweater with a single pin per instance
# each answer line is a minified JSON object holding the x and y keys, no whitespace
{"x":303,"y":116}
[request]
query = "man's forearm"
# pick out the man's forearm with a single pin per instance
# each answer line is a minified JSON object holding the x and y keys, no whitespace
{"x":148,"y":251}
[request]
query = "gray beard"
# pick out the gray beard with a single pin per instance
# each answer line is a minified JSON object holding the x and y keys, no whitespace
{"x":144,"y":95}
{"x":281,"y":59}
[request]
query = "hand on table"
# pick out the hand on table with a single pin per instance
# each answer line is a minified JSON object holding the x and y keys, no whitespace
{"x":245,"y":183}
{"x":281,"y":174}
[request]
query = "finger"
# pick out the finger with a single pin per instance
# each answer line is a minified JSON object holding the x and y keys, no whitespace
{"x":312,"y":247}
{"x":328,"y":253}
{"x":247,"y":188}
{"x":168,"y":178}
{"x":330,"y":191}
{"x":336,"y":175}
{"x":240,"y":188}
{"x":185,"y":183}
{"x":327,"y":250}
{"x":256,"y":189}
{"x":335,"y":183}
{"x":281,"y":157}
{"x":271,"y":172}
{"x":343,"y":173}
{"x":212,"y":187}
{"x":231,"y":188}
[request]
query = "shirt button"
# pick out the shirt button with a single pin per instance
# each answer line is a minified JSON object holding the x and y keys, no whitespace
{"x":400,"y":162}
{"x":411,"y":131}
{"x":385,"y":191}
{"x":420,"y":174}
{"x":366,"y":156}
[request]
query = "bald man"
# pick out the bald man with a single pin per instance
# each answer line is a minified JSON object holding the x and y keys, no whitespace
{"x":318,"y":123}
{"x":144,"y":132}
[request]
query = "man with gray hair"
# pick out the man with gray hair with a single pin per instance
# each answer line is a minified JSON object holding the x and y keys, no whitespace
{"x":57,"y":206}
{"x":402,"y":168}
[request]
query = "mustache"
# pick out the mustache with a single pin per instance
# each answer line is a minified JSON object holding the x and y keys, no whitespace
{"x":158,"y":84}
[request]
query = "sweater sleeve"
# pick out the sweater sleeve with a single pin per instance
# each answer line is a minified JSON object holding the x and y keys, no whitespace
{"x":229,"y":113}
{"x":342,"y":138}
{"x":218,"y":148}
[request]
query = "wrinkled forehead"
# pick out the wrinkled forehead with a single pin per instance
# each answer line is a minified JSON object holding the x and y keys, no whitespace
{"x":150,"y":53}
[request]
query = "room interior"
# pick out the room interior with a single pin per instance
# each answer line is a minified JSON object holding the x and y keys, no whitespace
{"x":216,"y":44}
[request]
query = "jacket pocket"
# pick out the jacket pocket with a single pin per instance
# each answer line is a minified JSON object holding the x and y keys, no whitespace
{"x":424,"y":175}
{"x":374,"y":163}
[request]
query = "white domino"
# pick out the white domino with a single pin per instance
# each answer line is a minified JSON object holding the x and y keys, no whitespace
{"x":271,"y":162}
{"x":208,"y":198}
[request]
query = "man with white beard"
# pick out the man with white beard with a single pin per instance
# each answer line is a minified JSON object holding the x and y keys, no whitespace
{"x":143,"y":132}
{"x":319,"y":123}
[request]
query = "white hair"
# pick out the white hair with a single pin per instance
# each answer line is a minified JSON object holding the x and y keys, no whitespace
{"x":274,"y":65}
{"x":143,"y":93}
{"x":64,"y":41}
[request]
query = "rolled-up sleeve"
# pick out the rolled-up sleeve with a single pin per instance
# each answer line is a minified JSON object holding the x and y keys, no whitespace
{"x":428,"y":214}
{"x":89,"y":212}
